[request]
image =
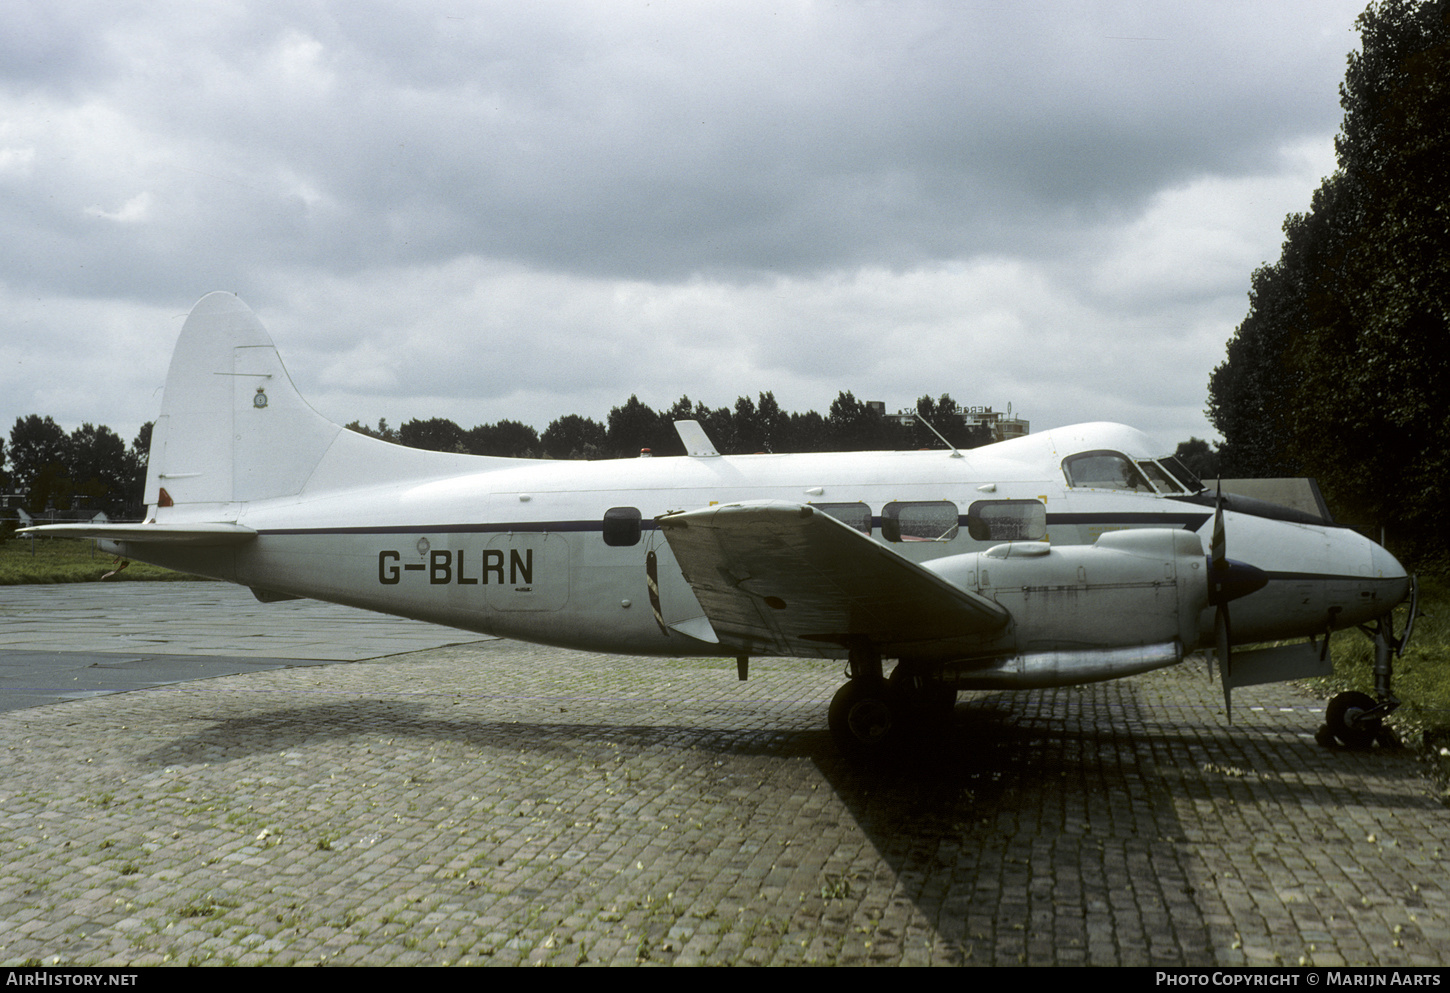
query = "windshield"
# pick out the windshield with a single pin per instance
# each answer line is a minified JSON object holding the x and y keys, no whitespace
{"x":1185,"y":476}
{"x":1160,"y":477}
{"x":1104,"y":471}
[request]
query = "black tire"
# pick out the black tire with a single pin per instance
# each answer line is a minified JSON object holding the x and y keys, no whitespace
{"x":1342,"y":715}
{"x":864,"y":721}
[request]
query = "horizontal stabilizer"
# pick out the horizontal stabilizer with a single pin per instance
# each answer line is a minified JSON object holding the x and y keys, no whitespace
{"x":786,"y":579}
{"x":171,"y":534}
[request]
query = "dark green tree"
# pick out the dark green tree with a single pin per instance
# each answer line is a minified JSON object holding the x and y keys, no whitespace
{"x":574,"y":437}
{"x":634,"y":427}
{"x":509,"y":439}
{"x":855,"y":426}
{"x":39,"y":453}
{"x":758,"y":425}
{"x":437,"y":434}
{"x":1199,"y":457}
{"x":99,"y":470}
{"x":808,"y":432}
{"x":1340,"y":369}
{"x":138,"y":460}
{"x":382,"y":432}
{"x":944,"y":414}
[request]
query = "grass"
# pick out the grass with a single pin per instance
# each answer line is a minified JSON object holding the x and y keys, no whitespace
{"x":1421,"y":678}
{"x":69,"y":560}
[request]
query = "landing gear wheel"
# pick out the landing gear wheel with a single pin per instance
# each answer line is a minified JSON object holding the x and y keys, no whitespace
{"x":863,"y":721}
{"x":1342,"y":719}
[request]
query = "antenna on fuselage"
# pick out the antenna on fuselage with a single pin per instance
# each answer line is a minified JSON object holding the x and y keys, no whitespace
{"x":955,"y":454}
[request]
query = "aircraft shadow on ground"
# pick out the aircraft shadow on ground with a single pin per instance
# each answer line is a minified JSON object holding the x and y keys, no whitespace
{"x":986,"y":817}
{"x":1001,"y":751}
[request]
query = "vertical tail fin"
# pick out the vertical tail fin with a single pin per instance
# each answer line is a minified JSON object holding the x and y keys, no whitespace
{"x":232,"y":427}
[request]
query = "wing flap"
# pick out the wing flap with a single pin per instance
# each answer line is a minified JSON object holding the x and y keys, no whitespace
{"x":785,"y":579}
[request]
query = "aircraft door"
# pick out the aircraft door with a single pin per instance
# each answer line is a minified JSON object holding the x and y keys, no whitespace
{"x":526,"y":570}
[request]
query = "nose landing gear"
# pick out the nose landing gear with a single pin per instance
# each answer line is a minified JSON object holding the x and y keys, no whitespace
{"x":1356,"y":720}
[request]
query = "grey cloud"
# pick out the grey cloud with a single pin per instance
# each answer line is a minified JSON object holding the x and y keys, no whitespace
{"x":897,"y":134}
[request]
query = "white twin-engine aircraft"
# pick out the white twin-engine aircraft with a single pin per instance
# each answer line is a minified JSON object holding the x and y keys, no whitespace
{"x":1058,"y":558}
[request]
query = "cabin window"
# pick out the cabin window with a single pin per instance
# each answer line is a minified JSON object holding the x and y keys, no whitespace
{"x":1007,"y":520}
{"x":857,"y":515}
{"x":924,"y":520}
{"x":1104,"y":471}
{"x":621,"y":526}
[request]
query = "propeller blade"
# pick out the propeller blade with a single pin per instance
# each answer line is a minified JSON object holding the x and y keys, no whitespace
{"x":1223,"y":648}
{"x":1227,"y":579}
{"x":1218,"y":547}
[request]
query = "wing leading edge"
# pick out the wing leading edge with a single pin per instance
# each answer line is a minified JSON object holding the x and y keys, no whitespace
{"x":786,"y":579}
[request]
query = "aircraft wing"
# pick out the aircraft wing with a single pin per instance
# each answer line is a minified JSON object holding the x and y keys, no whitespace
{"x":786,"y":579}
{"x":190,"y":534}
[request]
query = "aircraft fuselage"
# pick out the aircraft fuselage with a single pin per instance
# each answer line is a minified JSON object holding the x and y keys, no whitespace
{"x":522,"y":552}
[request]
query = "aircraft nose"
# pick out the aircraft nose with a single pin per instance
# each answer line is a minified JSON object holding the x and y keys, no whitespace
{"x":1383,"y":565}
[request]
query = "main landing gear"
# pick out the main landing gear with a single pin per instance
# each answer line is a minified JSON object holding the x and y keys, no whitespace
{"x":1356,"y":720}
{"x":872,"y":716}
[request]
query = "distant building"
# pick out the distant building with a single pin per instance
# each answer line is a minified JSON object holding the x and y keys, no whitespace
{"x":1002,"y":425}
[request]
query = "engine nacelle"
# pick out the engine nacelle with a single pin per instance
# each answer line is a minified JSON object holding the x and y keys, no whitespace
{"x":1128,"y":603}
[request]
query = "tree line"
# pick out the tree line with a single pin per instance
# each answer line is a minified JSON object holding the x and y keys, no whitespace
{"x":757,"y":425}
{"x":90,"y":469}
{"x":1339,"y":370}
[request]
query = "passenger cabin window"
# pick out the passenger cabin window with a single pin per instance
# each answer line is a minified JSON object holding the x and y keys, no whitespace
{"x":925,"y":520}
{"x":1104,"y":471}
{"x":857,"y":515}
{"x":1007,"y":520}
{"x":621,"y":526}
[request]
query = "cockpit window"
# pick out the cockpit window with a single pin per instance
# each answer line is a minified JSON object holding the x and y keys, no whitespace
{"x":1182,"y":473}
{"x":1104,"y":471}
{"x":1159,"y":476}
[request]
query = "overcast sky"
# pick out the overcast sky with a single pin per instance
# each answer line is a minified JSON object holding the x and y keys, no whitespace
{"x":527,"y":209}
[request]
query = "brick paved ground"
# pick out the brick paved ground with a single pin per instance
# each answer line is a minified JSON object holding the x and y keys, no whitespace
{"x":500,"y":803}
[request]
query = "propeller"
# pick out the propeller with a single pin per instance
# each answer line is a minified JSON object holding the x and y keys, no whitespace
{"x":1227,"y":580}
